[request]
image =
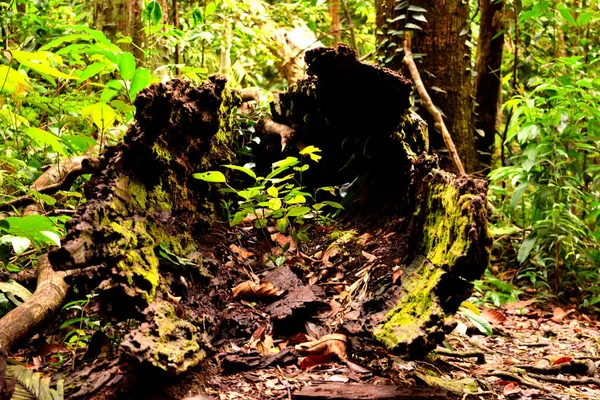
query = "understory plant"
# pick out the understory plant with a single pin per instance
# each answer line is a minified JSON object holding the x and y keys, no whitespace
{"x":278,"y":197}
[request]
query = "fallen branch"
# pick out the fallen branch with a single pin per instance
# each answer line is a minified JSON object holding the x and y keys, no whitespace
{"x":45,"y":302}
{"x":567,"y":381}
{"x":465,"y":354}
{"x":520,"y":379}
{"x":576,"y":367}
{"x":429,"y":106}
{"x":55,"y":178}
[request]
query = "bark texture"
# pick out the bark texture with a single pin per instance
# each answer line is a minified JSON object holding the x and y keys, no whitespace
{"x":446,"y":65}
{"x":489,"y":77}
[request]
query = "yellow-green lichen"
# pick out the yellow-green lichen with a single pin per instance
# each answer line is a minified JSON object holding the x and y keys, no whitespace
{"x":409,"y":318}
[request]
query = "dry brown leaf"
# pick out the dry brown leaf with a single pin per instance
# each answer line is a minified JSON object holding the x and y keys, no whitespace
{"x":334,"y":343}
{"x":370,"y":257}
{"x":559,"y":314}
{"x":243,"y":254}
{"x":282,"y":240}
{"x":396,"y":276}
{"x":313,"y":360}
{"x":494,"y":317}
{"x":252,"y":290}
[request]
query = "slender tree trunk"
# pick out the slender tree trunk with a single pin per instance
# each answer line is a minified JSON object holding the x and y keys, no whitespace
{"x":488,"y":80}
{"x":446,"y":66}
{"x":336,"y":24}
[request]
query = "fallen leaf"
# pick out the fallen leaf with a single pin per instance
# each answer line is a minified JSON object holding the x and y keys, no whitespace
{"x":397,"y":275}
{"x":339,"y":378}
{"x":243,"y":254}
{"x":494,"y":317}
{"x":511,"y":388}
{"x":252,"y":290}
{"x":559,"y":314}
{"x":49,"y":349}
{"x":334,"y":343}
{"x":313,"y":360}
{"x":282,"y":240}
{"x":370,"y":257}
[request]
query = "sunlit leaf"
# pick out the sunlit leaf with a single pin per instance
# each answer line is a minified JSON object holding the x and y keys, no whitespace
{"x":211,"y":176}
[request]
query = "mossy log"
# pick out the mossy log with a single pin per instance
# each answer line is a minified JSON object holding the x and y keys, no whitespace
{"x":144,"y":207}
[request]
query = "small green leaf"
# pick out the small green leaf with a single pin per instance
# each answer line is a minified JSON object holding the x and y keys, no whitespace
{"x":298,"y":211}
{"x":334,"y":204}
{"x":245,"y":170}
{"x":210,"y":9}
{"x":197,"y":17}
{"x":298,"y":199}
{"x":44,"y":138}
{"x":102,"y":114}
{"x":526,"y":247}
{"x":53,"y":236}
{"x":127,"y":66}
{"x":261,"y":223}
{"x":282,"y":225}
{"x":312,"y":152}
{"x":211,"y":176}
{"x":141,"y":79}
{"x":273,"y":192}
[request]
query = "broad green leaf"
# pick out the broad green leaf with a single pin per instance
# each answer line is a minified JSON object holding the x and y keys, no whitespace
{"x":211,"y":176}
{"x":261,"y":223}
{"x":31,"y":227}
{"x":40,"y":63}
{"x":298,"y":211}
{"x":197,"y":17}
{"x":92,"y":70}
{"x":566,"y":14}
{"x":287,"y":162}
{"x":237,"y":218}
{"x":282,"y":225}
{"x":210,"y":9}
{"x":44,"y":138}
{"x":298,"y":199}
{"x":245,"y":170}
{"x":273,"y":192}
{"x":111,"y":89}
{"x":334,"y":204}
{"x":526,"y":247}
{"x":13,"y":80}
{"x":52,"y":236}
{"x":141,"y":79}
{"x":153,"y":13}
{"x":102,"y":115}
{"x":514,"y":201}
{"x":19,"y":243}
{"x":10,"y":119}
{"x":127,"y":66}
{"x":480,"y":323}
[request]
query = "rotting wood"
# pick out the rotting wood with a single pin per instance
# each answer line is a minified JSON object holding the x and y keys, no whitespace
{"x":359,"y":391}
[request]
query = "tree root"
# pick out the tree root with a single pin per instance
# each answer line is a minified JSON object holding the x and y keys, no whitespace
{"x":45,"y":302}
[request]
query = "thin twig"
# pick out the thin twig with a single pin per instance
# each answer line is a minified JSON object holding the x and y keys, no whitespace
{"x":426,"y":101}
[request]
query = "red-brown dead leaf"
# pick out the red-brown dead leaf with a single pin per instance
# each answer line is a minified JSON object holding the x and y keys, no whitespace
{"x":252,"y":290}
{"x":313,"y":360}
{"x":397,"y":275}
{"x":511,"y":388}
{"x":49,"y":349}
{"x":282,"y":240}
{"x":242,"y":254}
{"x":562,"y":360}
{"x":334,"y":343}
{"x":559,"y":314}
{"x":494,"y":317}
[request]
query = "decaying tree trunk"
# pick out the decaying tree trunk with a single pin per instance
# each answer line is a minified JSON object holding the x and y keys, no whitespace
{"x":144,"y":210}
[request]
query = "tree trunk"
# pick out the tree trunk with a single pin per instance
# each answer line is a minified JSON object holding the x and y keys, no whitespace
{"x":121,"y":17}
{"x":489,"y":77}
{"x":336,"y":25}
{"x":124,"y":18}
{"x":446,"y":64}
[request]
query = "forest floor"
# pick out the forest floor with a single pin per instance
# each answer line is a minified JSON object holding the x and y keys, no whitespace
{"x":558,"y":349}
{"x":300,"y":344}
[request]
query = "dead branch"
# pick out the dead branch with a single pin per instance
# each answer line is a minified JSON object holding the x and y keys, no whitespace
{"x":567,"y":381}
{"x":465,"y":354}
{"x":520,"y":379}
{"x":426,"y":100}
{"x":578,"y":367}
{"x":45,"y":302}
{"x":55,"y":178}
